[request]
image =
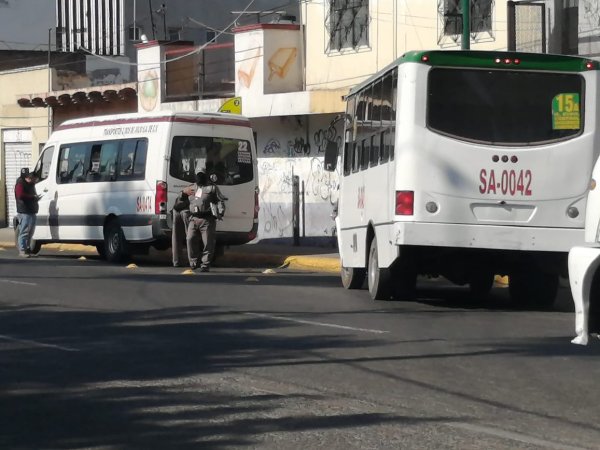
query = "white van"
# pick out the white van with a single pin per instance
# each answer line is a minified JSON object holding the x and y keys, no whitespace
{"x":111,"y":181}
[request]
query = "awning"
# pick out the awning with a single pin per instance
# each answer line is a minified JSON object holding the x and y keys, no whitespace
{"x":89,"y":95}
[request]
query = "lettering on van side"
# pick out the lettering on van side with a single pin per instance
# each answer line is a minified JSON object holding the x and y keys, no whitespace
{"x":144,"y":204}
{"x":506,"y":182}
{"x":134,"y":129}
{"x":360,"y":204}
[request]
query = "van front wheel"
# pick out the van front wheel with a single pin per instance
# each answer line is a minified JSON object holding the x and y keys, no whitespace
{"x":114,"y":243}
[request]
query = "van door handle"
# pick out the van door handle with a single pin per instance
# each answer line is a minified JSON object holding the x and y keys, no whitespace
{"x":46,"y":190}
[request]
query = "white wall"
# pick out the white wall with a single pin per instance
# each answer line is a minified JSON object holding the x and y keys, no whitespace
{"x":284,"y":149}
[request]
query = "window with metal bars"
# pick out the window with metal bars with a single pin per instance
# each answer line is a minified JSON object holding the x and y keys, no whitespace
{"x":348,"y":24}
{"x":481,"y":16}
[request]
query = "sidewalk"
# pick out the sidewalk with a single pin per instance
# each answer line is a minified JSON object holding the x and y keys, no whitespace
{"x":268,"y":255}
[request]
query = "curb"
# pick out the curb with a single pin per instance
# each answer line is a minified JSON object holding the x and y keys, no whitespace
{"x":297,"y":262}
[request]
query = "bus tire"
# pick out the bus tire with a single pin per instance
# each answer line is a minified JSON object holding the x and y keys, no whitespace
{"x":114,"y":242}
{"x":378,"y":279}
{"x":534,"y":288}
{"x":353,"y":277}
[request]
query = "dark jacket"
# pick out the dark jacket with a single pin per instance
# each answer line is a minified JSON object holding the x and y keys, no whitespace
{"x":26,"y":196}
{"x":210,"y":204}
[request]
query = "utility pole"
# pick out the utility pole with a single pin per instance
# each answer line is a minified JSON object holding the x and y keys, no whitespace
{"x":466,"y":20}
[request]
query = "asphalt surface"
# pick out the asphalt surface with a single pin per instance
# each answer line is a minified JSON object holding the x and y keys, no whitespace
{"x":104,"y":356}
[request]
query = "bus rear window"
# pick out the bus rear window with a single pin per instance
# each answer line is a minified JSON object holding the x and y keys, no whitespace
{"x":227,"y":161}
{"x":504,"y":107}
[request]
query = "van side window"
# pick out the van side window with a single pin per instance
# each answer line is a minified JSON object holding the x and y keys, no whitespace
{"x":132,"y":163}
{"x":73,"y":160}
{"x":42,"y":168}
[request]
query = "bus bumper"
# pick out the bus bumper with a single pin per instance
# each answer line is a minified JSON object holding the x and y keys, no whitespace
{"x":487,"y":236}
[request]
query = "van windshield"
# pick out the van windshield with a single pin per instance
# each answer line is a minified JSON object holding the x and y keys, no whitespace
{"x":227,"y":161}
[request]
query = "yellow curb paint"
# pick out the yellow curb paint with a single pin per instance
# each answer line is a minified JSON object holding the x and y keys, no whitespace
{"x":313,"y":263}
{"x":132,"y":266}
{"x":187,"y":272}
{"x":501,"y":280}
{"x":83,"y":258}
{"x":269,"y":271}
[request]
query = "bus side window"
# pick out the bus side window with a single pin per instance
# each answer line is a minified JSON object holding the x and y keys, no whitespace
{"x":366,"y":150}
{"x":384,"y":150}
{"x":132,"y":161}
{"x":42,"y":168}
{"x":374,"y":150}
{"x":355,"y":157}
{"x":390,"y":142}
{"x":348,"y":158}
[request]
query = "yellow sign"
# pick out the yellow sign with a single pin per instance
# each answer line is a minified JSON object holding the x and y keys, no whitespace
{"x":233,"y":106}
{"x":566,"y":112}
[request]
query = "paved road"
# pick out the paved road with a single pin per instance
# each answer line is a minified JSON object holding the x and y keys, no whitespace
{"x":95,"y":355}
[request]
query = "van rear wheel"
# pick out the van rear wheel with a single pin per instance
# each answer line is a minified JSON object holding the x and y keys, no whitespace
{"x":114,"y":242}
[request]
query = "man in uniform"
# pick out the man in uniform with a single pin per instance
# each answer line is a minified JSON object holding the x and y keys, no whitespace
{"x":206,"y":207}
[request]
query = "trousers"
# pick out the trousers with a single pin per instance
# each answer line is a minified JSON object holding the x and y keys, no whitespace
{"x":203,"y":229}
{"x":181,"y":220}
{"x":26,"y":229}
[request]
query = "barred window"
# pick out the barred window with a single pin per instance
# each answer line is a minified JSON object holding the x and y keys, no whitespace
{"x":481,"y":16}
{"x":348,"y":24}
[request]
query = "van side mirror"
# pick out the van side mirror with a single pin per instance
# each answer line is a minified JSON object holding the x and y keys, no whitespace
{"x":331,"y":156}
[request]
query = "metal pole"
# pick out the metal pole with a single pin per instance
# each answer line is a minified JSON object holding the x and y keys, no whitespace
{"x":511,"y":22}
{"x":303,"y":211}
{"x":466,"y":35}
{"x":296,"y":209}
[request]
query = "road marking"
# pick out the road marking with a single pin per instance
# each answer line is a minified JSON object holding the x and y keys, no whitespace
{"x":513,"y":436}
{"x":319,"y":324}
{"x":18,"y":282}
{"x":38,"y":344}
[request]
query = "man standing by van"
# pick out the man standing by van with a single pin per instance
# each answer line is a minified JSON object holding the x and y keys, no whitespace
{"x":206,"y":207}
{"x":27,"y":208}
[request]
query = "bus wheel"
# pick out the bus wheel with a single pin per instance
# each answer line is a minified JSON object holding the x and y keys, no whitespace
{"x":353,"y":277}
{"x":534,"y":289}
{"x":378,"y":278}
{"x":101,"y":251}
{"x":114,"y":242}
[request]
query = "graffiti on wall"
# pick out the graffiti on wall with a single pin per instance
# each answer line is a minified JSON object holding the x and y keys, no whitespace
{"x":275,"y":180}
{"x":281,"y":61}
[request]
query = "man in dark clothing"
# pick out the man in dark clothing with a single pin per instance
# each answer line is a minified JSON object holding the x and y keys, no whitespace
{"x":27,"y":208}
{"x":206,"y":207}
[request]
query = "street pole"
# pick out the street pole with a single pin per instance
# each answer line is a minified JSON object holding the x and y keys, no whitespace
{"x":466,"y":15}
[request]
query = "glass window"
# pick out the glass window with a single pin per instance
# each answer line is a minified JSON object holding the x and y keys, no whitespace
{"x":73,"y":161}
{"x":348,"y":157}
{"x":377,"y":103}
{"x":355,"y":157}
{"x":226,"y":160}
{"x":42,"y":168}
{"x":387,"y":99}
{"x":384,"y":149}
{"x":504,"y":107}
{"x":348,"y":24}
{"x":132,"y":162}
{"x":366,"y":147}
{"x":374,"y":150}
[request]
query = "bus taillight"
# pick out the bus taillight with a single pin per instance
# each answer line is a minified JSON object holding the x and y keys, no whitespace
{"x":405,"y":203}
{"x":160,"y":198}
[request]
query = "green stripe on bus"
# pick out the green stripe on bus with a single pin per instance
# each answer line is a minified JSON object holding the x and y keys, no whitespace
{"x":487,"y":59}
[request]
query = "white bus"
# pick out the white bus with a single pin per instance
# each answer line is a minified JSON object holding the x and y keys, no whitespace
{"x":111,"y":181}
{"x":467,"y":164}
